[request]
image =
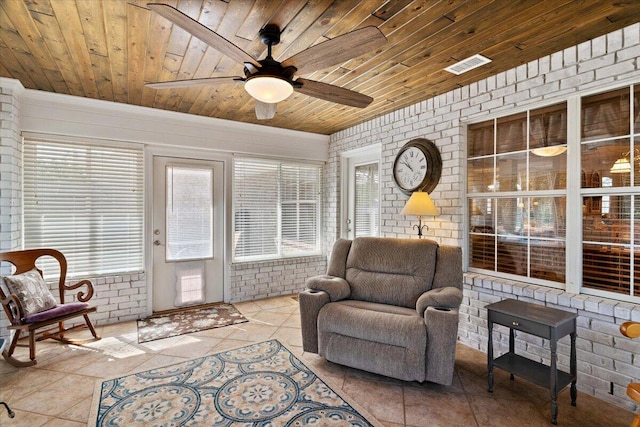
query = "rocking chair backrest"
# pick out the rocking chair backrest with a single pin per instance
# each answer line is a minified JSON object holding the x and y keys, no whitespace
{"x":25,"y":260}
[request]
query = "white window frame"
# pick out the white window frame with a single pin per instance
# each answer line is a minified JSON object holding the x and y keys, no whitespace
{"x":107,"y":255}
{"x":574,"y":193}
{"x":279,"y":244}
{"x":363,"y":155}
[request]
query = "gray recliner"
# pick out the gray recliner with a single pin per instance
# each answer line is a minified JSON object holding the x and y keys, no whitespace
{"x":388,"y":306}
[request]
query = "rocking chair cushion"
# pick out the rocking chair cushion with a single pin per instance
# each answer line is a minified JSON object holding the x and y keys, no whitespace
{"x":59,"y":310}
{"x":31,"y":290}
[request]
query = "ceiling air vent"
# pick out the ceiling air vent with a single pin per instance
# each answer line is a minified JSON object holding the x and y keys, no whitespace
{"x":465,"y":65}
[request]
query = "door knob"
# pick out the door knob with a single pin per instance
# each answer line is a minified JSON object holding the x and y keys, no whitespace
{"x":156,"y":243}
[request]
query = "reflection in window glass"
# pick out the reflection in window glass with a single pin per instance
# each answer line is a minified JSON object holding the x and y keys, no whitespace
{"x":511,"y":172}
{"x":610,"y":166}
{"x":189,"y":213}
{"x":605,"y":115}
{"x":511,"y":133}
{"x":547,"y":217}
{"x":548,"y":173}
{"x":481,"y":215}
{"x":606,"y":160}
{"x":547,"y":260}
{"x":523,"y":235}
{"x":480,"y":175}
{"x":548,"y":128}
{"x":480,"y":139}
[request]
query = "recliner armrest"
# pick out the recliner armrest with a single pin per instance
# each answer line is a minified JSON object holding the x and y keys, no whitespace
{"x":337,"y":287}
{"x":311,"y":302}
{"x":447,"y":297}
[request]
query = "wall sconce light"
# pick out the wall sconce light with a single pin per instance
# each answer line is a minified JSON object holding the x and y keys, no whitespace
{"x":420,"y":204}
{"x":623,"y":164}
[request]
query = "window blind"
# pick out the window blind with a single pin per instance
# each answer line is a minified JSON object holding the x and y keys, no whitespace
{"x":276,"y":209}
{"x":367,"y":211}
{"x":87,"y":202}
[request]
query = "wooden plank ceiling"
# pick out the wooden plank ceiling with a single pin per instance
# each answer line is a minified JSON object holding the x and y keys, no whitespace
{"x":109,"y":49}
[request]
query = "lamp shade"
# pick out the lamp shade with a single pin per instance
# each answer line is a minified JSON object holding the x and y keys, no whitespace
{"x":419,"y":204}
{"x":268,"y":89}
{"x":551,"y":151}
{"x":622,"y":165}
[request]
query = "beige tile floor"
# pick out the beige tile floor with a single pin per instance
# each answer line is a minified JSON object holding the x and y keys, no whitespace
{"x":58,"y":390}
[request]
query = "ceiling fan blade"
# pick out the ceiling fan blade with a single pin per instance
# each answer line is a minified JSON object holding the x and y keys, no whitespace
{"x":198,"y":30}
{"x":333,"y":93}
{"x":265,"y":111}
{"x":337,"y":50}
{"x":194,"y":82}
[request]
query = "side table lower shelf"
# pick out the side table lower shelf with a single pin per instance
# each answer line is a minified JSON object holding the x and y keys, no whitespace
{"x":530,"y":370}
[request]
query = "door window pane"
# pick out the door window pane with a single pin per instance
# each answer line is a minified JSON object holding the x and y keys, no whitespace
{"x":189,"y":213}
{"x":367,"y":203}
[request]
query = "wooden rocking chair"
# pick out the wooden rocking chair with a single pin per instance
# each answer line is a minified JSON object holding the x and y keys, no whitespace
{"x":15,"y":303}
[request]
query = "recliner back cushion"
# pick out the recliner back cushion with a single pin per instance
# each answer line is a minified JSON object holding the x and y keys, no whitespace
{"x":390,"y":271}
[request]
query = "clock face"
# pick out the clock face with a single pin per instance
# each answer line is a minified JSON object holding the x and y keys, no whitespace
{"x":411,"y":168}
{"x":417,"y":166}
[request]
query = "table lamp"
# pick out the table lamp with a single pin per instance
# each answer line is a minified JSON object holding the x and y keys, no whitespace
{"x":420,"y":204}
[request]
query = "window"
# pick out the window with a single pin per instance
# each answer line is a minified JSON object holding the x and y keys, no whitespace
{"x":517,"y":194}
{"x":189,"y":213}
{"x":276,"y":209}
{"x":87,"y":202}
{"x":610,"y":189}
{"x":516,"y":189}
{"x":367,"y":203}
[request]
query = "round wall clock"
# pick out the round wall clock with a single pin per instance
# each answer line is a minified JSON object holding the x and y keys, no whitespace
{"x":417,"y":166}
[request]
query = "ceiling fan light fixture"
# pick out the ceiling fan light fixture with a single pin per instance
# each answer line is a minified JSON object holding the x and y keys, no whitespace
{"x":549,"y":151}
{"x":268,"y":89}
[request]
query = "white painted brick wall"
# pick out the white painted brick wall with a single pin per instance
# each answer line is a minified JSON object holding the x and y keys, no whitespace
{"x":604,"y":355}
{"x":10,"y":176}
{"x":117,"y":298}
{"x":264,"y":279}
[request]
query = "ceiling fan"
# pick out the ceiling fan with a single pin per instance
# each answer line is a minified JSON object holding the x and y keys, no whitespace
{"x":269,"y":81}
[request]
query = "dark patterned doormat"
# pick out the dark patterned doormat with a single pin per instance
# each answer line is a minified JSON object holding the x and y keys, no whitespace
{"x":186,"y":321}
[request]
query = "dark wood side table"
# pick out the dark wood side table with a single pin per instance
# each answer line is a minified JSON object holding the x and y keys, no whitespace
{"x":541,"y":321}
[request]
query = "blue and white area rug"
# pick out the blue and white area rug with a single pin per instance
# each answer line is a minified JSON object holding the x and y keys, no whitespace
{"x":258,"y":385}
